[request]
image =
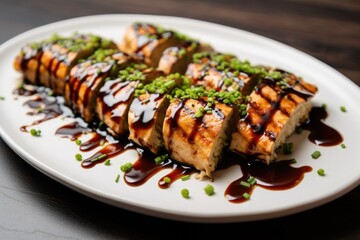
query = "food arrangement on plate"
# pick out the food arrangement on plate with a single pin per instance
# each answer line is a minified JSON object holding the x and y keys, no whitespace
{"x":177,"y":101}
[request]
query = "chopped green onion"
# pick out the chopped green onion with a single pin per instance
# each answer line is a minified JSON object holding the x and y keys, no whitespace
{"x":293,"y":161}
{"x":251,"y":180}
{"x":159,"y":159}
{"x":288,"y":148}
{"x":50,"y":93}
{"x":185,"y":177}
{"x":102,"y":142}
{"x":324,"y":106}
{"x":246,"y":195}
{"x":245,"y":184}
{"x":35,"y":133}
{"x":126,"y":167}
{"x":117,"y":178}
{"x":343,"y":145}
{"x":99,"y":158}
{"x":78,"y":156}
{"x":78,"y":142}
{"x":2,"y":98}
{"x":343,"y":109}
{"x":321,"y":172}
{"x":107,"y":162}
{"x":167,"y":180}
{"x":199,"y":113}
{"x":316,"y":154}
{"x":209,"y":189}
{"x":185,"y":193}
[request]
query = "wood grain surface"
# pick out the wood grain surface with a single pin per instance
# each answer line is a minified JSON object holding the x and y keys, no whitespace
{"x":33,"y":206}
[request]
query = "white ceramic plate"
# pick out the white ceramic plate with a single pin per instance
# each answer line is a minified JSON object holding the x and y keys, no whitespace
{"x":54,"y":156}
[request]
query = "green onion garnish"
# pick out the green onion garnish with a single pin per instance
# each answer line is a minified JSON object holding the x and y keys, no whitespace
{"x":159,"y":159}
{"x":35,"y":133}
{"x":126,"y":167}
{"x":107,"y":162}
{"x":343,"y":109}
{"x":288,"y":148}
{"x":245,"y":184}
{"x":98,"y":158}
{"x":316,"y":154}
{"x":167,"y":180}
{"x":78,"y":156}
{"x":2,"y":98}
{"x":185,"y":177}
{"x":343,"y":145}
{"x":209,"y":189}
{"x":246,"y":195}
{"x":117,"y":178}
{"x":324,"y":106}
{"x":78,"y":142}
{"x":293,"y":161}
{"x":199,"y":113}
{"x":185,"y":193}
{"x":321,"y":172}
{"x":251,"y":180}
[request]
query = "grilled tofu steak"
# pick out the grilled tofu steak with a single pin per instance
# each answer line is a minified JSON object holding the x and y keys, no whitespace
{"x":147,"y":112}
{"x":116,"y":95}
{"x":195,"y":137}
{"x":275,"y":108}
{"x":220,"y":72}
{"x":88,"y":77}
{"x":150,"y":41}
{"x":48,"y":63}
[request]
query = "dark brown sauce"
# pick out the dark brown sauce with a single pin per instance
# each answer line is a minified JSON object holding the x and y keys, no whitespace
{"x":95,"y":141}
{"x":44,"y":105}
{"x":321,"y":134}
{"x":145,"y":167}
{"x":109,"y":151}
{"x":72,"y":130}
{"x":110,"y":99}
{"x":178,"y":171}
{"x":144,"y":111}
{"x":25,"y":91}
{"x":278,"y":176}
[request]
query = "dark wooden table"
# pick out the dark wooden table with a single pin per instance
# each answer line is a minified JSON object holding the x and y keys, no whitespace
{"x":33,"y":206}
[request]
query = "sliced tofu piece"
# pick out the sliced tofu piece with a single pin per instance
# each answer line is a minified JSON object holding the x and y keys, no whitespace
{"x":149,"y":41}
{"x":198,"y":140}
{"x":176,"y":59}
{"x":88,"y":77}
{"x":147,"y":112}
{"x":217,"y":71}
{"x":116,"y":95}
{"x":28,"y":62}
{"x":274,"y":110}
{"x":48,"y":63}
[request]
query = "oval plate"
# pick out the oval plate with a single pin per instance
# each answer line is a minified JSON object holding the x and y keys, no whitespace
{"x":56,"y":159}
